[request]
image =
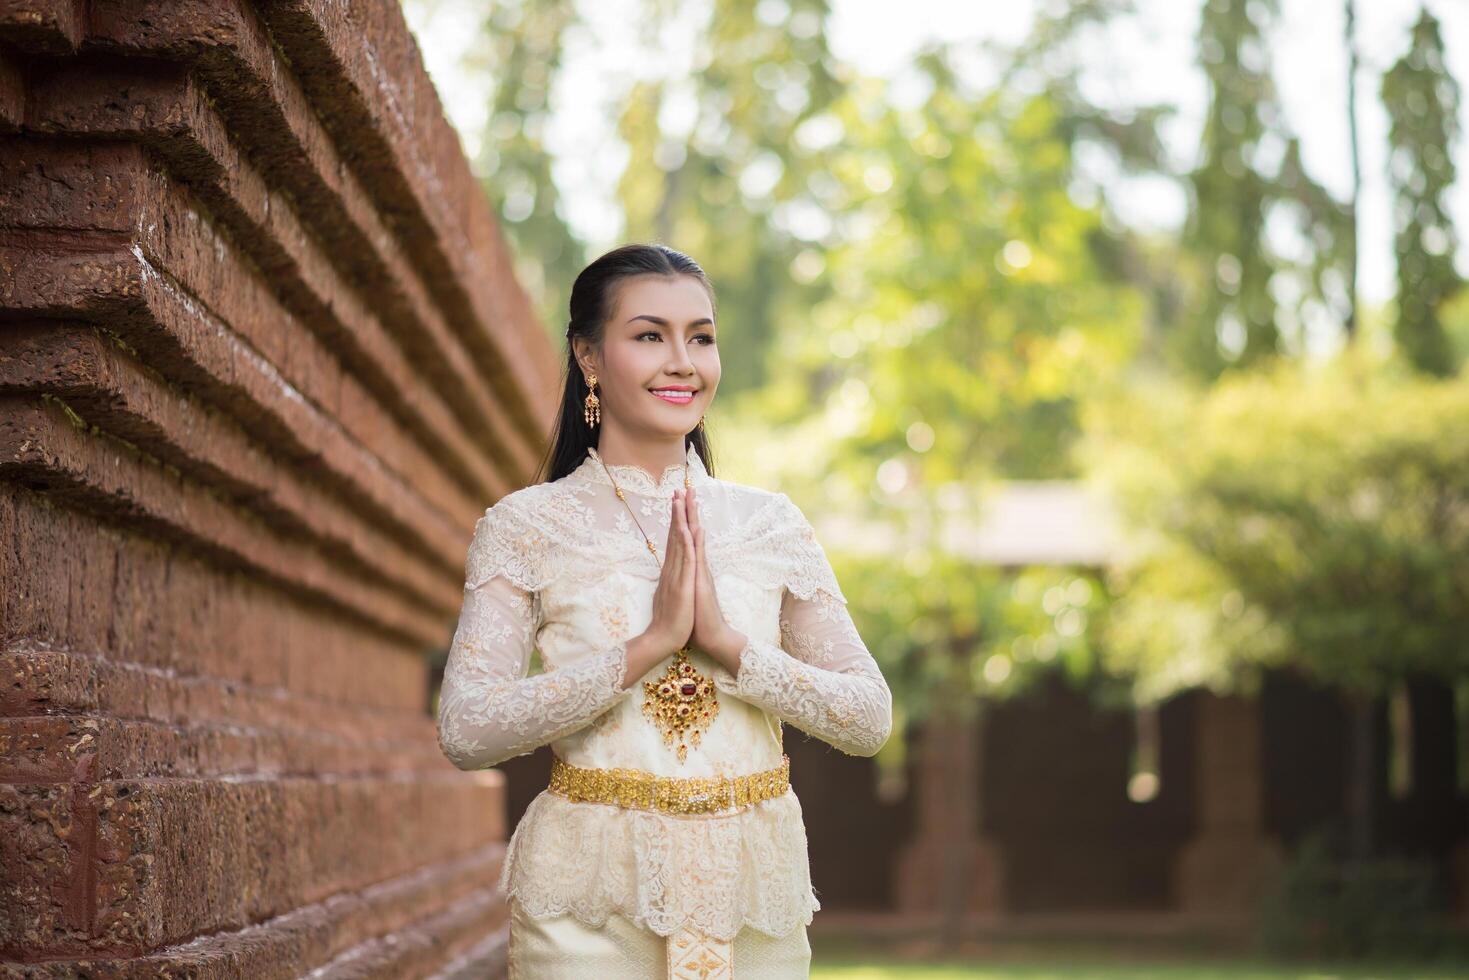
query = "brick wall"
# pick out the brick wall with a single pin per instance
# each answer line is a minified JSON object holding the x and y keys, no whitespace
{"x":263,"y":362}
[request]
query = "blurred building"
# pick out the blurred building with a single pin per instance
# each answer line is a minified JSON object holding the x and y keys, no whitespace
{"x":1064,"y":822}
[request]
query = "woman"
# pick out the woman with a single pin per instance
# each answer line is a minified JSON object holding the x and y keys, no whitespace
{"x":680,"y":619}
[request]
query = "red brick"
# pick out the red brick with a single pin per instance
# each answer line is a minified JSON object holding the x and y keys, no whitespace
{"x":265,"y":360}
{"x":172,"y":248}
{"x":109,"y":389}
{"x":112,"y":288}
{"x":43,"y":26}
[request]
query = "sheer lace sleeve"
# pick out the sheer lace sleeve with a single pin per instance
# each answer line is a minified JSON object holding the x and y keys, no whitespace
{"x":489,"y":709}
{"x":822,"y":679}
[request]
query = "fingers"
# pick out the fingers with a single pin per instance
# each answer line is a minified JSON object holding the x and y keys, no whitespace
{"x":673,"y":600}
{"x":685,"y":537}
{"x":696,"y":525}
{"x":675,"y":535}
{"x":680,"y":546}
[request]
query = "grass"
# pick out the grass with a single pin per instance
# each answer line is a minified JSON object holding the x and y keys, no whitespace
{"x":849,"y":961}
{"x":1151,"y":971}
{"x":1140,"y":971}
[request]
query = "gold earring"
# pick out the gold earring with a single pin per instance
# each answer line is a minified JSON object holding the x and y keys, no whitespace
{"x":592,"y":411}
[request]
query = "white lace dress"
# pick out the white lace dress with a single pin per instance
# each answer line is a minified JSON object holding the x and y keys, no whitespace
{"x":561,"y":567}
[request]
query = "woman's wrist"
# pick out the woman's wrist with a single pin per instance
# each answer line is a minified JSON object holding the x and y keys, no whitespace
{"x":643,"y":651}
{"x":639,"y":658}
{"x":727,"y":649}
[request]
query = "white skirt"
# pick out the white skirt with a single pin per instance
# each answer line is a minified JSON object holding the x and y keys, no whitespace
{"x":564,"y":948}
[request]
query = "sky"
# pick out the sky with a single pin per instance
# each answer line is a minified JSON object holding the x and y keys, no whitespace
{"x":1157,"y":63}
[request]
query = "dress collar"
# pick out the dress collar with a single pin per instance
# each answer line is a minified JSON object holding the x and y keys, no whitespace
{"x":635,"y":479}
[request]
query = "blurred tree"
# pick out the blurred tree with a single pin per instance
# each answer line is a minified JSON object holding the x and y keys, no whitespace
{"x":1250,"y":171}
{"x":1317,"y":520}
{"x":966,"y":315}
{"x":720,"y":156}
{"x":966,"y":318}
{"x":1265,"y":248}
{"x":1251,"y":175}
{"x":520,"y":52}
{"x":1056,"y":56}
{"x":1422,"y":100}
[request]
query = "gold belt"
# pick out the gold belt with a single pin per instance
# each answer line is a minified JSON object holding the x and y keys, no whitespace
{"x":640,"y":790}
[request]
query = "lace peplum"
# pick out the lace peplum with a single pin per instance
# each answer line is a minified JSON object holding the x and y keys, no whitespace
{"x":717,"y":873}
{"x":560,"y":567}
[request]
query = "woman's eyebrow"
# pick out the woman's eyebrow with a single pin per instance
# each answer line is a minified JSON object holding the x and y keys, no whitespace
{"x":663,"y":323}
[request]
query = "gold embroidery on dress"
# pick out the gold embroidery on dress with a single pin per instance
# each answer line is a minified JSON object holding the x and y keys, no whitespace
{"x":681,"y":703}
{"x":692,"y":955}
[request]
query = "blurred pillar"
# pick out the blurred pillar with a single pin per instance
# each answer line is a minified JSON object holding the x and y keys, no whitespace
{"x":948,"y":865}
{"x":1221,"y":868}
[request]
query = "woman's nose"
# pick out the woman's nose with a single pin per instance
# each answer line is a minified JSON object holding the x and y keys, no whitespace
{"x":680,"y":362}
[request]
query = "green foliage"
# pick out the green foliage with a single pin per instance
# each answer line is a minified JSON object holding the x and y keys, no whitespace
{"x":1324,"y":905}
{"x":967,"y":313}
{"x":951,"y":635}
{"x":948,"y":624}
{"x":1317,"y":517}
{"x":918,"y":293}
{"x":721,"y":159}
{"x":522,"y":44}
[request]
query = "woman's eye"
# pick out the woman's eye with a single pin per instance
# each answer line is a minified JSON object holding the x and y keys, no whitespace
{"x":705,"y":337}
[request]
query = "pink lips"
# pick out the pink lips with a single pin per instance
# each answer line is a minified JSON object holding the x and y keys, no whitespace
{"x":675,"y":396}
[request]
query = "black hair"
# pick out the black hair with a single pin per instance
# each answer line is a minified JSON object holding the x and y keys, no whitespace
{"x":593,"y":300}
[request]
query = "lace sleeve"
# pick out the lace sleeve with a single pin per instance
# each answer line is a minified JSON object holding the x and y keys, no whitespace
{"x":489,"y":709}
{"x":822,"y":679}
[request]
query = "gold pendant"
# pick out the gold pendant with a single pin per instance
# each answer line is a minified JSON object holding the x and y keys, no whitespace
{"x":682,"y":703}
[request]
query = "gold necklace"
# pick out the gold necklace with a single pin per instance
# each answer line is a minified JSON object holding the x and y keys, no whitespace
{"x":682,"y":702}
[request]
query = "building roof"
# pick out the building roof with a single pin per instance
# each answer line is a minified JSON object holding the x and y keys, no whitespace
{"x":1017,"y":522}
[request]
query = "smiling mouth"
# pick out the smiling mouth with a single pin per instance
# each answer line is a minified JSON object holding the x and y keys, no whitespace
{"x":673,"y":396}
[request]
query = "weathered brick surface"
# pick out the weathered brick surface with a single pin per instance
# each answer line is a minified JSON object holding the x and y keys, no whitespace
{"x":288,"y":947}
{"x":170,"y":114}
{"x":174,"y":242}
{"x":263,"y":362}
{"x":392,"y":124}
{"x":44,"y":26}
{"x":43,"y":447}
{"x":12,"y":93}
{"x":112,"y":290}
{"x":228,"y":47}
{"x":112,"y":390}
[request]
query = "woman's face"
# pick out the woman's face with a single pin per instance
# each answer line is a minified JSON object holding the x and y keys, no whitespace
{"x":658,"y":366}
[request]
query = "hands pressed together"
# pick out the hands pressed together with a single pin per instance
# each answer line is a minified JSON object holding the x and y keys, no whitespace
{"x":685,"y":605}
